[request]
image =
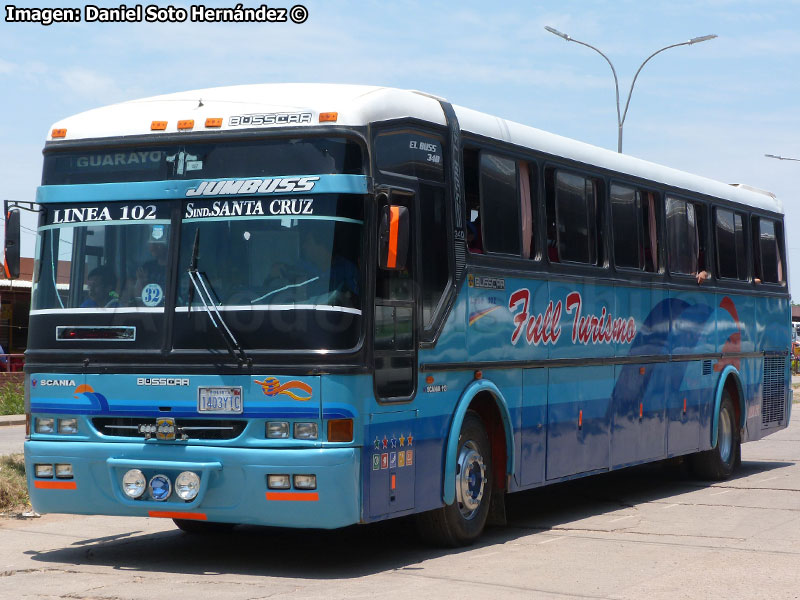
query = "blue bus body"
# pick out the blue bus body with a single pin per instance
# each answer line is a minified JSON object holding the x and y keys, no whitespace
{"x":571,"y":374}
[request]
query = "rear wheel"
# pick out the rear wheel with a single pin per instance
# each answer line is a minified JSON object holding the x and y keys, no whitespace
{"x":202,"y":527}
{"x":719,"y":462}
{"x":462,"y":522}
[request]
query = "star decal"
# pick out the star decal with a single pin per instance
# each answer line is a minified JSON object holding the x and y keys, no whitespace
{"x":410,"y":439}
{"x":402,"y":441}
{"x":385,"y":442}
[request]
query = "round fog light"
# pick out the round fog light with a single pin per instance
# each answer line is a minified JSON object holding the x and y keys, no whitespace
{"x":160,"y":488}
{"x":133,"y":483}
{"x":187,"y":485}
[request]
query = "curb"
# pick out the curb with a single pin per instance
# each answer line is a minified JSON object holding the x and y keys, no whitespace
{"x":12,"y":420}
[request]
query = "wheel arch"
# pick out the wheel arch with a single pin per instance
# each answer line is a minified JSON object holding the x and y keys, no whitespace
{"x":731,"y":380}
{"x":484,"y":397}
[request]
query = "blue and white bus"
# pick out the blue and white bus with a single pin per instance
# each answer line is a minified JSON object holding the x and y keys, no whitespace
{"x":320,"y":305}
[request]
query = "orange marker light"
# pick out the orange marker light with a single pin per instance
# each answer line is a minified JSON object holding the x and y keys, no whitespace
{"x":340,"y":430}
{"x":328,"y":117}
{"x":213,"y":122}
{"x":158,"y":126}
{"x":641,"y":370}
{"x":394,"y":482}
{"x":186,"y":124}
{"x":478,"y":374}
{"x":684,"y":405}
{"x":429,"y":379}
{"x":58,"y":133}
{"x":580,"y":419}
{"x":641,"y":410}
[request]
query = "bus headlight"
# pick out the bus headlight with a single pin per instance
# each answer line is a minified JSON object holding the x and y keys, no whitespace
{"x":64,"y":471}
{"x":45,"y":425}
{"x":305,"y":482}
{"x":44,"y":471}
{"x":306,"y":431}
{"x":187,"y":485}
{"x":277,"y":429}
{"x":134,"y":483}
{"x":68,"y":426}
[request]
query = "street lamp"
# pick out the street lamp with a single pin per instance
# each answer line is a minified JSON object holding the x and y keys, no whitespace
{"x":621,"y":117}
{"x":781,"y":157}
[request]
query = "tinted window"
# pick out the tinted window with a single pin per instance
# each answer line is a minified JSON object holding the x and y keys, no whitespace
{"x":729,"y":230}
{"x":626,"y":225}
{"x":499,"y":204}
{"x":411,"y":153}
{"x":683,"y":236}
{"x":769,"y":250}
{"x":434,"y":263}
{"x":203,"y":161}
{"x":575,"y":210}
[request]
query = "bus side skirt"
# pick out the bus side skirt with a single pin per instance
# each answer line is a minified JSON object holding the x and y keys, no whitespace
{"x":472,"y":390}
{"x":729,"y":371}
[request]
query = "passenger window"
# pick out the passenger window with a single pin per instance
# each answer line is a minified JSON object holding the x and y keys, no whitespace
{"x":500,"y":205}
{"x":635,"y":228}
{"x":572,"y":218}
{"x":435,"y":274}
{"x":768,"y":258}
{"x":731,"y":257}
{"x":686,"y":237}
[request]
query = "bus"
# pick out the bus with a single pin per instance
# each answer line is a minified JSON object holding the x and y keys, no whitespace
{"x":313,"y":306}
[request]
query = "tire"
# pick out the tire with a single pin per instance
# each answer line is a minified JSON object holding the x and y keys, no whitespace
{"x":462,"y":522}
{"x":719,"y":462}
{"x":202,"y":527}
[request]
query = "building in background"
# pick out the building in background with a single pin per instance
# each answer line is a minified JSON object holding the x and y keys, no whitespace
{"x":15,"y":305}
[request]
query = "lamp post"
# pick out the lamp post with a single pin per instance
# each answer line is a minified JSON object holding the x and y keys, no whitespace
{"x":781,"y":157}
{"x":621,"y":117}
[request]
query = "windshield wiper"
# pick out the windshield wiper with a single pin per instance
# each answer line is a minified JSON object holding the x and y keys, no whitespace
{"x":199,"y":285}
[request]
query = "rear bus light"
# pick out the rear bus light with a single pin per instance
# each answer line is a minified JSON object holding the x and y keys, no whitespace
{"x":43,"y":471}
{"x":306,"y":431}
{"x":45,"y":425}
{"x":305,"y":482}
{"x":340,"y":430}
{"x":278,"y":482}
{"x":277,"y":430}
{"x":68,"y":426}
{"x":64,"y":471}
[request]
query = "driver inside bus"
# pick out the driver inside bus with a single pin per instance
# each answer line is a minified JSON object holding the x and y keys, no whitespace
{"x":101,"y":282}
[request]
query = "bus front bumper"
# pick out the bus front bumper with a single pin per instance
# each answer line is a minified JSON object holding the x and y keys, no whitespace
{"x":233,"y":482}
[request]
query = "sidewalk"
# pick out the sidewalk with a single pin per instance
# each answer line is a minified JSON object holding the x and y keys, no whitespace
{"x":12,"y":420}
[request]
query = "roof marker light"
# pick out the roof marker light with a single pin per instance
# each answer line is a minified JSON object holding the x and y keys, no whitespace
{"x":328,"y":117}
{"x":58,"y":133}
{"x":213,"y":122}
{"x":185,"y":124}
{"x":158,"y":126}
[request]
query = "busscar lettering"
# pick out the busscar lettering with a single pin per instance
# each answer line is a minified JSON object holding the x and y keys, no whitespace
{"x":256,"y":120}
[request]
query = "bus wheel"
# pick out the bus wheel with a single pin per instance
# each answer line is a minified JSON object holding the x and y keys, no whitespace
{"x":202,"y":527}
{"x":462,"y":522}
{"x":719,"y":462}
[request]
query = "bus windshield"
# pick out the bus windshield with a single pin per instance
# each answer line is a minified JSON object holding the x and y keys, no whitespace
{"x":279,"y":280}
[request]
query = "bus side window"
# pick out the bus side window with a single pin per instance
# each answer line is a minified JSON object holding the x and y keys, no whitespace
{"x":767,"y":254}
{"x":473,"y":199}
{"x":730,"y":244}
{"x":686,"y":233}
{"x":499,"y":204}
{"x":634,"y":224}
{"x":573,"y":230}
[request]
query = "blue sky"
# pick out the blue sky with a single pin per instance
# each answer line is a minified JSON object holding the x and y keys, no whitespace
{"x":713,"y":108}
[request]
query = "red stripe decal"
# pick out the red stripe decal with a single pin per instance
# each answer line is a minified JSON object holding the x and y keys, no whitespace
{"x":294,"y":496}
{"x":165,"y":514}
{"x":55,"y":485}
{"x":391,"y":261}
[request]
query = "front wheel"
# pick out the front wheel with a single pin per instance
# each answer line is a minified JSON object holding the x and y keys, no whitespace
{"x":462,"y":522}
{"x":719,"y":462}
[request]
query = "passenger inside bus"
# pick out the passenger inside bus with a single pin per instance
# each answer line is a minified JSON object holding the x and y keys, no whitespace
{"x":101,"y":282}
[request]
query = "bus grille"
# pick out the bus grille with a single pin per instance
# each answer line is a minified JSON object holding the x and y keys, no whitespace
{"x":187,"y":429}
{"x":773,"y":403}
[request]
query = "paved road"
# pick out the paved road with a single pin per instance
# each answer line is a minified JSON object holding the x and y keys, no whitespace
{"x":650,"y":532}
{"x":11,"y":439}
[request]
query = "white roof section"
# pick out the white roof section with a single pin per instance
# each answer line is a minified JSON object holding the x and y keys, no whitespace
{"x":358,"y":105}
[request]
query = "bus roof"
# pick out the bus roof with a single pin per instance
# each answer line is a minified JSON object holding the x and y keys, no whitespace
{"x":277,"y":105}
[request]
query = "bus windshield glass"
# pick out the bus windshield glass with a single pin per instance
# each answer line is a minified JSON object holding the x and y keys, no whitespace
{"x":117,"y":263}
{"x":291,"y":280}
{"x":252,"y":158}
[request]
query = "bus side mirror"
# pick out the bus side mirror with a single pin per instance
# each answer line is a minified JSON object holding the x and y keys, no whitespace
{"x":393,"y":237}
{"x":11,"y":253}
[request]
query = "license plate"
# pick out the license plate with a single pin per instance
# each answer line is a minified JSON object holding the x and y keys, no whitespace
{"x":220,"y":400}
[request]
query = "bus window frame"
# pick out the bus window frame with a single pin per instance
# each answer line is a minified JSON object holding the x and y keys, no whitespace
{"x":660,"y":212}
{"x":715,"y":207}
{"x":709,"y":260}
{"x":780,"y":237}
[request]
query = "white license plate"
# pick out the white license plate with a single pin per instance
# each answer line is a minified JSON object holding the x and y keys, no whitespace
{"x":220,"y":400}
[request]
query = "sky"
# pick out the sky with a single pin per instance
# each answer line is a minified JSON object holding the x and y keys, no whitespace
{"x":713,"y":109}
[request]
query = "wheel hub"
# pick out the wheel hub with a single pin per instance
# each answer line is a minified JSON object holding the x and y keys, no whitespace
{"x":470,"y":480}
{"x":725,"y":435}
